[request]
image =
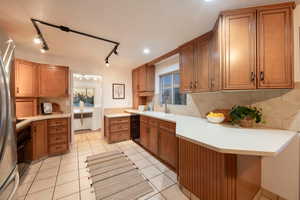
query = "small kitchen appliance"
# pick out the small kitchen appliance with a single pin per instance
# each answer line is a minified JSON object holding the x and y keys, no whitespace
{"x":47,"y":108}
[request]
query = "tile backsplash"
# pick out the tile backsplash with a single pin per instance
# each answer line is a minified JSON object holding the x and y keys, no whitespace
{"x":281,"y":107}
{"x":63,"y":102}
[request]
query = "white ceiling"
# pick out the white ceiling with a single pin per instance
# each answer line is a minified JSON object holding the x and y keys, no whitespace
{"x":160,"y":25}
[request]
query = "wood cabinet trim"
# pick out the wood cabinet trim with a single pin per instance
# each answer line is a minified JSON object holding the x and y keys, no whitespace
{"x":250,"y":82}
{"x":263,"y":69}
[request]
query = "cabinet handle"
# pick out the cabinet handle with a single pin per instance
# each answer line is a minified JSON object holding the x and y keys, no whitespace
{"x":17,"y":90}
{"x":196,"y":84}
{"x":191,"y":85}
{"x":252,"y":76}
{"x":262,"y":76}
{"x":212,"y":84}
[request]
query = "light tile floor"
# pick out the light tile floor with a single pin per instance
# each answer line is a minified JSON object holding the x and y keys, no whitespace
{"x":65,"y":177}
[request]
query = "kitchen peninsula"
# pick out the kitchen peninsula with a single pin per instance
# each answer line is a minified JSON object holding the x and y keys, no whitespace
{"x":219,"y":161}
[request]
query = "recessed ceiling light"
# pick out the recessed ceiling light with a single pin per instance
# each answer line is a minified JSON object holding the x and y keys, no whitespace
{"x":208,"y":0}
{"x":146,"y":51}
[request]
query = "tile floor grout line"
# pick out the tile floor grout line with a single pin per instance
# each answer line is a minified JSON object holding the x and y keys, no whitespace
{"x":56,"y":178}
{"x":33,"y":179}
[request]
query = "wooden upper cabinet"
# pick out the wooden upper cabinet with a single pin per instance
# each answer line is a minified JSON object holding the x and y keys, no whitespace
{"x":26,"y":107}
{"x":146,"y":75}
{"x":54,"y":81}
{"x":202,"y":61}
{"x":135,"y":95}
{"x":239,"y":42}
{"x":275,"y":47}
{"x":25,"y":78}
{"x":186,"y":53}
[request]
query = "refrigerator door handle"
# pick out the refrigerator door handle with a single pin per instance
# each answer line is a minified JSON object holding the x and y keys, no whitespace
{"x":17,"y":181}
{"x":14,"y":177}
{"x":4,"y":109}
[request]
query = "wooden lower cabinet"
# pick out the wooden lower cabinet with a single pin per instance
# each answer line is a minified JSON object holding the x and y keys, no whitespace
{"x":48,"y":138}
{"x":58,"y":136}
{"x":144,"y":135}
{"x":168,"y":143}
{"x":39,"y":139}
{"x":117,"y":129}
{"x":159,"y":138}
{"x":153,"y":136}
{"x":211,"y":175}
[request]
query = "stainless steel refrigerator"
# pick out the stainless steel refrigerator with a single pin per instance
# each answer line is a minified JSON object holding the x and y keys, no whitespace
{"x":9,"y":175}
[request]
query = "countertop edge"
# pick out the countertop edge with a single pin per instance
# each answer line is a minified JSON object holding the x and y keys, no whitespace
{"x":225,"y":150}
{"x":27,"y":120}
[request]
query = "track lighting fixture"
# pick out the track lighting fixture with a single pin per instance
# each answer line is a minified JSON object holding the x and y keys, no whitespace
{"x":43,"y":50}
{"x":107,"y":63}
{"x":37,"y":40}
{"x":116,"y":52}
{"x":40,"y":39}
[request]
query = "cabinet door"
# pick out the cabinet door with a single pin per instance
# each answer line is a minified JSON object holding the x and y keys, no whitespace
{"x":150,"y":76}
{"x":26,"y":107}
{"x":153,"y":136}
{"x":186,"y":68}
{"x":215,"y":67}
{"x":168,"y":146}
{"x":144,"y":135}
{"x":142,"y":71}
{"x":39,"y":138}
{"x":135,"y":88}
{"x":202,"y":65}
{"x":239,"y":50}
{"x":54,"y":81}
{"x":25,"y":78}
{"x":275,"y":63}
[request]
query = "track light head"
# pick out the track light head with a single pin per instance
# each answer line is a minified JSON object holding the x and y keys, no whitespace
{"x":116,"y":52}
{"x":44,"y":49}
{"x":37,"y":40}
{"x":106,"y":63}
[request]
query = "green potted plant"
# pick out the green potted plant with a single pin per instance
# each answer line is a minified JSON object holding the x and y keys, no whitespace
{"x":245,"y":116}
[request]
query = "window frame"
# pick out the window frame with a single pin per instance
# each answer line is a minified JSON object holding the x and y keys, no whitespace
{"x":173,"y":86}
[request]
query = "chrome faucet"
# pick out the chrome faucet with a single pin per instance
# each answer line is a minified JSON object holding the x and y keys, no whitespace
{"x":165,"y":97}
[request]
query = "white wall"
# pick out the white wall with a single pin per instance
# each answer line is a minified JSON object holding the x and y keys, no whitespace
{"x":116,"y":75}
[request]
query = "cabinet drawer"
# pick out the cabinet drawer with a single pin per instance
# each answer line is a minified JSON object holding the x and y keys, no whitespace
{"x":58,"y":148}
{"x":144,"y":119}
{"x":58,"y":138}
{"x":153,"y":122}
{"x":119,"y":127}
{"x":119,"y":136}
{"x":119,"y":120}
{"x":57,"y":122}
{"x":168,"y":126}
{"x":57,"y":129}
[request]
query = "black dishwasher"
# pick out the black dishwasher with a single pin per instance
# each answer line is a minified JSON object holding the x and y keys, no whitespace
{"x":23,"y":140}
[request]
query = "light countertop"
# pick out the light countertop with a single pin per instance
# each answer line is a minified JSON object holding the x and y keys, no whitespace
{"x":27,"y":120}
{"x":226,"y":138}
{"x":114,"y":115}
